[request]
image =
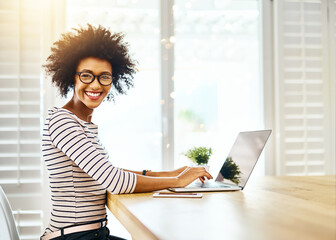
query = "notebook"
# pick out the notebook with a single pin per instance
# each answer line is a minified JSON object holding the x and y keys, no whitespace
{"x":238,"y":165}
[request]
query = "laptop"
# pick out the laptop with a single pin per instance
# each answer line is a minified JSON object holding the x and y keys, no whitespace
{"x":237,"y":167}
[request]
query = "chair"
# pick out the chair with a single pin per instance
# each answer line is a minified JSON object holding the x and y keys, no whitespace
{"x":8,"y":230}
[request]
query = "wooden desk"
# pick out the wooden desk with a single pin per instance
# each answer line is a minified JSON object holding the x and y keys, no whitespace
{"x":268,"y":208}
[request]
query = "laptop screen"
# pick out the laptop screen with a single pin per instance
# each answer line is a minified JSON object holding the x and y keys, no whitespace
{"x":243,"y":156}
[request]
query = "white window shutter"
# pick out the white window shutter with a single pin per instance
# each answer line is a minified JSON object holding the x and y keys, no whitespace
{"x":302,"y":85}
{"x":20,"y":113}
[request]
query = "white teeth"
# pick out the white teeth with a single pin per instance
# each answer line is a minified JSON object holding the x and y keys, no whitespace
{"x":93,"y":94}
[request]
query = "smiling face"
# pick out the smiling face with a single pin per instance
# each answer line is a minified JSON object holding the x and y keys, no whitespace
{"x":91,"y":95}
{"x":87,"y":97}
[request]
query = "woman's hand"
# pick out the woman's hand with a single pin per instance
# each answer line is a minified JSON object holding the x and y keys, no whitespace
{"x":190,"y":174}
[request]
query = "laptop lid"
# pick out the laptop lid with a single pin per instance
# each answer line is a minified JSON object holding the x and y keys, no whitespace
{"x":242,"y":157}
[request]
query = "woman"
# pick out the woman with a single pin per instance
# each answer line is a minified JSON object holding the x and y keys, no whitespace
{"x":90,"y":61}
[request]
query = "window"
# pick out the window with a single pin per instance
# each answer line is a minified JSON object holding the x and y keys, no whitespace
{"x":216,"y":77}
{"x":218,"y":88}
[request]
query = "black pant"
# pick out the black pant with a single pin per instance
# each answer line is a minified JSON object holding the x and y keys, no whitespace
{"x":97,"y":234}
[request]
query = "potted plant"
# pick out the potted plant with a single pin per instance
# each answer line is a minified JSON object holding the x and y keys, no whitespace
{"x":200,"y":156}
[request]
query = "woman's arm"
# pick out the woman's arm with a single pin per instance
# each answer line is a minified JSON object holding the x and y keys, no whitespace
{"x":148,"y":184}
{"x":173,"y":173}
{"x":69,"y":137}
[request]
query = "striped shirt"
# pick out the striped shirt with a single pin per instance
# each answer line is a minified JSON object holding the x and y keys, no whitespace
{"x":79,"y":170}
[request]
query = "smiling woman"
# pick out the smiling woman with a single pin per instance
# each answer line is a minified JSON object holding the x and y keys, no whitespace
{"x":96,"y":65}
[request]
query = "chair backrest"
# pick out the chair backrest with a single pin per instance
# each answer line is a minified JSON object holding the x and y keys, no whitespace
{"x":8,"y":228}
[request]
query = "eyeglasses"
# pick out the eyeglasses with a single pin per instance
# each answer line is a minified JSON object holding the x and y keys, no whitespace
{"x":87,"y":78}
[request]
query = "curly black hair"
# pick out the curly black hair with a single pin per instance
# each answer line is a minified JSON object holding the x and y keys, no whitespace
{"x":90,"y":42}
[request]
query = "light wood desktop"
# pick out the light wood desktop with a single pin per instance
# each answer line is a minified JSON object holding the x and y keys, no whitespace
{"x":268,"y":208}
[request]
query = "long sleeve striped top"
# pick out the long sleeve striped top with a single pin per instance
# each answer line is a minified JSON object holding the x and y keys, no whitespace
{"x":79,"y":170}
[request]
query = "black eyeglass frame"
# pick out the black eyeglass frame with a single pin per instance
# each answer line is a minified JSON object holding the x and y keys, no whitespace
{"x":93,"y":78}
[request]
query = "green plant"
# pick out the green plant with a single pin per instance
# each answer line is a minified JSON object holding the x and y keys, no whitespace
{"x":199,"y":155}
{"x":231,"y":171}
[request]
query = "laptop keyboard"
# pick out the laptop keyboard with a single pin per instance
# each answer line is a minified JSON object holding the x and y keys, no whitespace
{"x":211,"y":185}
